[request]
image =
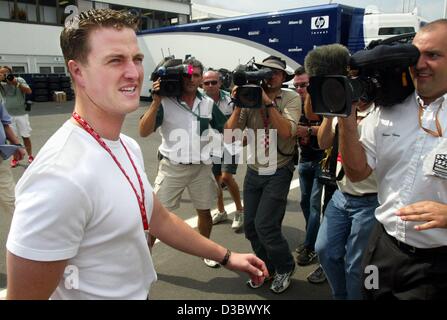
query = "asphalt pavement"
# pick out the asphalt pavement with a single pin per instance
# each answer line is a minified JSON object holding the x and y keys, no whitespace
{"x":181,"y":276}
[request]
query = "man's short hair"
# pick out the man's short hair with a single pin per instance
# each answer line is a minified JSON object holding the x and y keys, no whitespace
{"x":300,"y":71}
{"x":434,"y":24}
{"x":74,"y":37}
{"x":7,"y":67}
{"x":195,"y":63}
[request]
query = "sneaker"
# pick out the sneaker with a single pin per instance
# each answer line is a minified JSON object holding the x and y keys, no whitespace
{"x":300,"y":248}
{"x":211,"y":263}
{"x":281,"y":281}
{"x":317,"y":276}
{"x":305,"y":257}
{"x":238,"y":221}
{"x":219,"y":216}
{"x":252,"y":285}
{"x":30,"y":159}
{"x":14,"y":163}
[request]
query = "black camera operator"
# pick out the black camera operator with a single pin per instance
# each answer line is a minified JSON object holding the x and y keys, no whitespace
{"x":186,"y":164}
{"x":267,"y":185}
{"x":405,"y":145}
{"x":14,"y":89}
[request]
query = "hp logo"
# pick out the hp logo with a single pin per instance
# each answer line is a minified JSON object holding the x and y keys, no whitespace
{"x":320,"y":22}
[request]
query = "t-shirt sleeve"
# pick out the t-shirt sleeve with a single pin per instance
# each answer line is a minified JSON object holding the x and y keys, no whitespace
{"x":5,"y":118}
{"x":368,"y":137}
{"x":51,"y":215}
{"x":292,"y":111}
{"x":22,"y":82}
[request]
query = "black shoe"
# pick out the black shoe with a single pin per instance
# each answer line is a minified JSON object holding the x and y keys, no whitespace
{"x":317,"y":276}
{"x":305,"y":257}
{"x":300,"y":248}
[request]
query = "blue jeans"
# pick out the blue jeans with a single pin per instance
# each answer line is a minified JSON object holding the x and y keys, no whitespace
{"x":342,"y":239}
{"x":311,"y":191}
{"x":265,"y":199}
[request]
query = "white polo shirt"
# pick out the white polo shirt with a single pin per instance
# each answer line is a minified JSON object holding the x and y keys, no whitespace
{"x":180,"y":131}
{"x":408,"y":164}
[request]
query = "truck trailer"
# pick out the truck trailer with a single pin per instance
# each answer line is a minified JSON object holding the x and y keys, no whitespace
{"x":290,"y":34}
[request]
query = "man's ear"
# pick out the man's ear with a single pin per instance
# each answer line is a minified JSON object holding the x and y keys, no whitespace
{"x":76,"y":72}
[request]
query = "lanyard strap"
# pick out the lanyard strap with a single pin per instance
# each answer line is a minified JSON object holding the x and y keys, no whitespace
{"x":101,"y":142}
{"x":437,"y":133}
{"x":265,"y":120}
{"x":179,"y":103}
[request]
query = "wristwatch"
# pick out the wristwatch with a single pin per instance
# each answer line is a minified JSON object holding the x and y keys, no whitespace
{"x":271,"y":104}
{"x":309,"y":131}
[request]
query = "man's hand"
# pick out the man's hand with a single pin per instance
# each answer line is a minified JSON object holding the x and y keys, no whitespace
{"x":155,"y":89}
{"x":13,"y":82}
{"x":250,"y":264}
{"x":434,"y":214}
{"x":301,"y":131}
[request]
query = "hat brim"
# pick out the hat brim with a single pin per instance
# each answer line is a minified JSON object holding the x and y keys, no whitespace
{"x":289,"y":75}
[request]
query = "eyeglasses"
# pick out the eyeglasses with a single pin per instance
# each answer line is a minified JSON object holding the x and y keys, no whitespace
{"x":301,"y":85}
{"x":208,"y":83}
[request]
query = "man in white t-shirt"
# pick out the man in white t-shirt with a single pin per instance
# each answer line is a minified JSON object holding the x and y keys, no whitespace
{"x":348,"y":219}
{"x":84,"y":206}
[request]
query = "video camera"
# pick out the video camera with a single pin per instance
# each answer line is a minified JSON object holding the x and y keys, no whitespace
{"x":249,"y":80}
{"x":379,"y":74}
{"x":171,"y":72}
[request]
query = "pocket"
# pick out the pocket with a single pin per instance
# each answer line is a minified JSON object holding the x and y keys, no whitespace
{"x":435,"y":163}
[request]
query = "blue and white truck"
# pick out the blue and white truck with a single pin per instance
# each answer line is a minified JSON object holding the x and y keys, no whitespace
{"x":291,"y":34}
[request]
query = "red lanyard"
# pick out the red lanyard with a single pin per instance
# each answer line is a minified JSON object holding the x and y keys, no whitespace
{"x":265,"y":119}
{"x":97,"y":137}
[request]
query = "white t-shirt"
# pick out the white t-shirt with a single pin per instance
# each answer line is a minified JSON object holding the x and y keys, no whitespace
{"x":369,"y":185}
{"x":74,"y":203}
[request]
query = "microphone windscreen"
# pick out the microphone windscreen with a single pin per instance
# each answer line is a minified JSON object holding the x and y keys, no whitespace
{"x":332,"y":59}
{"x":239,"y":78}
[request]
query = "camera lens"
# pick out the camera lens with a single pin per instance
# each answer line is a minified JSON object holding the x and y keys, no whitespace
{"x":333,"y":94}
{"x":9,"y":77}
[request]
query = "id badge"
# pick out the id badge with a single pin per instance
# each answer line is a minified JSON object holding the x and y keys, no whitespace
{"x":435,"y":164}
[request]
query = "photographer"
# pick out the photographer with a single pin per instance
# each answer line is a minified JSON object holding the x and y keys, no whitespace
{"x":224,"y":171}
{"x":348,"y":219}
{"x":405,"y":145}
{"x":14,"y":90}
{"x":265,"y":195}
{"x":308,"y":170}
{"x":187,"y":168}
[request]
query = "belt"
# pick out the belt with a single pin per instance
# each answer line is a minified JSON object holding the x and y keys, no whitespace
{"x":161,"y":157}
{"x":413,"y":250}
{"x":363,"y":195}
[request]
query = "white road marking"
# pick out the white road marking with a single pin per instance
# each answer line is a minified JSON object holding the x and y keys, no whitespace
{"x":231,"y":207}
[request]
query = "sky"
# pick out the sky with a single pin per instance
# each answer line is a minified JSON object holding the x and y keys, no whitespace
{"x":428,"y":9}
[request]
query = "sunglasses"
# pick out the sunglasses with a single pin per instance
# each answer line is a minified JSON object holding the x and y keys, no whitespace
{"x":301,"y":85}
{"x":208,"y":83}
